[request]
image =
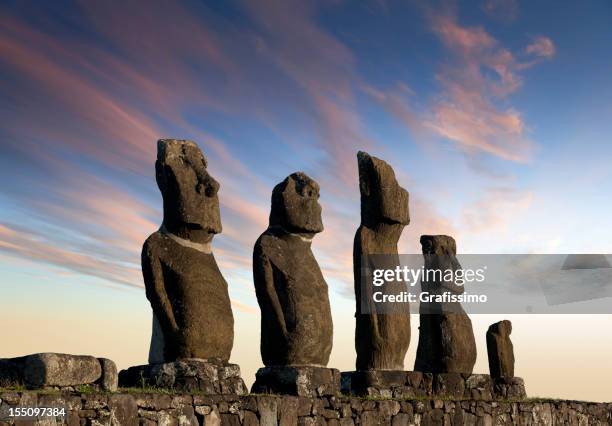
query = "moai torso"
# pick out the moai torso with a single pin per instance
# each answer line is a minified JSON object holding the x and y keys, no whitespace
{"x":183,"y":283}
{"x":194,"y":305}
{"x":381,"y":339}
{"x":296,"y":323}
{"x":446,"y":338}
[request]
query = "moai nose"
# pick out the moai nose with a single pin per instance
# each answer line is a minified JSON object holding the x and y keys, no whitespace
{"x":212,"y":187}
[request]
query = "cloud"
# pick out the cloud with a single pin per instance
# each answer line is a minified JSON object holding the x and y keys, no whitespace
{"x":38,"y":248}
{"x":100,"y":101}
{"x":471,"y":107}
{"x":497,"y":207}
{"x":467,"y":111}
{"x":502,"y":10}
{"x":324,"y":68}
{"x":542,"y":47}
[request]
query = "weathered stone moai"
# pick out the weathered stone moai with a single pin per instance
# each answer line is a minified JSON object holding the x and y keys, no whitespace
{"x":382,"y":333}
{"x":296,"y":322}
{"x":189,"y":296}
{"x":500,"y":350}
{"x":381,"y":339}
{"x":446,"y":338}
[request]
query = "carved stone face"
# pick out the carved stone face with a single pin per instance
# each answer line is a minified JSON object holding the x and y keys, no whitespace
{"x":439,"y":252}
{"x":295,"y":205}
{"x":502,"y":328}
{"x":441,"y":245}
{"x":382,"y":198}
{"x":189,"y":192}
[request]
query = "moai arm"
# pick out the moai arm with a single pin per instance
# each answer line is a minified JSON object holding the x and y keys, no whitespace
{"x":155,"y":289}
{"x":266,"y":292}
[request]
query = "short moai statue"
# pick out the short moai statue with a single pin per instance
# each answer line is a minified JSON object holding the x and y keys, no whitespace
{"x":446,"y":338}
{"x":296,"y":322}
{"x":500,"y":350}
{"x":191,"y":306}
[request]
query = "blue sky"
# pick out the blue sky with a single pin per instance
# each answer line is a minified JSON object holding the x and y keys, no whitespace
{"x":495,"y":114}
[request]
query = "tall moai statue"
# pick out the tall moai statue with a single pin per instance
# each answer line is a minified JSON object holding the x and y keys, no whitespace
{"x":500,"y":350}
{"x":193,"y":324}
{"x":446,"y":338}
{"x":296,"y":322}
{"x":381,"y":339}
{"x":184,"y":285}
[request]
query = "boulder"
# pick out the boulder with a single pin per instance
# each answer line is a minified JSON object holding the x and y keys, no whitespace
{"x":184,"y":285}
{"x":53,"y":369}
{"x":296,"y":322}
{"x":56,"y":370}
{"x":446,"y":339}
{"x":109,"y":379}
{"x":381,"y":338}
{"x":500,"y":350}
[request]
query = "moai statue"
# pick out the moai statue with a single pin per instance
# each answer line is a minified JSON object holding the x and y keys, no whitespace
{"x":446,"y":338}
{"x":500,"y":350}
{"x":193,"y":325}
{"x":381,"y":339}
{"x":296,"y":322}
{"x":187,"y":292}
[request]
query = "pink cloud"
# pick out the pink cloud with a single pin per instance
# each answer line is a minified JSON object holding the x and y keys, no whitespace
{"x":496,"y":209}
{"x":503,"y":10}
{"x":542,"y":47}
{"x":471,"y":109}
{"x":324,"y":68}
{"x":38,"y":248}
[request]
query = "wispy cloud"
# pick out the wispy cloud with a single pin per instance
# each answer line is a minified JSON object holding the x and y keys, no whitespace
{"x":542,"y":47}
{"x":496,"y":209}
{"x":503,"y":10}
{"x":325,"y":69}
{"x":471,"y":108}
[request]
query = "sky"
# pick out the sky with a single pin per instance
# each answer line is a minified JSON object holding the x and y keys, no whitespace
{"x":496,"y":116}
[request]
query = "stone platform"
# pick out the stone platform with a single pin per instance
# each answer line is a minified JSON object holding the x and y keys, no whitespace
{"x":209,"y":377}
{"x":297,"y":380}
{"x":148,"y":409}
{"x":411,"y":384}
{"x":58,"y":371}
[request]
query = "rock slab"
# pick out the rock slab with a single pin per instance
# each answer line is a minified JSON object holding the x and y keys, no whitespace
{"x":56,"y":370}
{"x":381,"y":339}
{"x":208,"y":377}
{"x":446,"y":338}
{"x":296,"y":322}
{"x":304,"y":381}
{"x":500,"y":350}
{"x":189,"y":296}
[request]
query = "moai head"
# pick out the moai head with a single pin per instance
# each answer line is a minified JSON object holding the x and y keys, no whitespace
{"x":439,"y":252}
{"x":295,"y":205}
{"x":501,"y":328}
{"x":189,"y":192}
{"x":382,"y":199}
{"x":441,"y":245}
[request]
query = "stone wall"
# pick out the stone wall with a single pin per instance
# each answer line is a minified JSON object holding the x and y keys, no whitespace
{"x":166,"y":409}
